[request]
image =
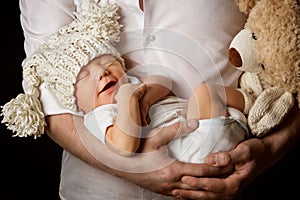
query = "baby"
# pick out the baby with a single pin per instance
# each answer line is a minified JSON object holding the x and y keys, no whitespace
{"x":116,"y":107}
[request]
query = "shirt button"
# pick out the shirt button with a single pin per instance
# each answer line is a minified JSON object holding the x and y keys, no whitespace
{"x":150,"y":38}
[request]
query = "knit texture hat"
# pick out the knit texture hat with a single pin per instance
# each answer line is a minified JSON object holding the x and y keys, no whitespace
{"x":94,"y":31}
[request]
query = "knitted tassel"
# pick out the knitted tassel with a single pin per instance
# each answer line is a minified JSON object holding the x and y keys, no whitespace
{"x":23,"y":115}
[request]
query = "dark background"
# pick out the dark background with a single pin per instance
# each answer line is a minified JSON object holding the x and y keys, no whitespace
{"x":30,"y":168}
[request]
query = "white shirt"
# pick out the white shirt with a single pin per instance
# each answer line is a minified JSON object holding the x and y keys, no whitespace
{"x":186,"y":40}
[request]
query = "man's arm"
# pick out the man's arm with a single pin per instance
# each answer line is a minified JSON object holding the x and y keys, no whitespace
{"x":61,"y":129}
{"x":69,"y":132}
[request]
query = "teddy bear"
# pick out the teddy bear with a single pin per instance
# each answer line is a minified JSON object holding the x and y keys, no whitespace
{"x":267,"y":51}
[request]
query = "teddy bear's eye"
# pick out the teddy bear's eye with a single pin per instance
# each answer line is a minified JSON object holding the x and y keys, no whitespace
{"x":254,"y":36}
{"x":262,"y":66}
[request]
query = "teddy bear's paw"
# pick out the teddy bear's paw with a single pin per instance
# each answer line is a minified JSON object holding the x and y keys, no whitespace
{"x":269,"y":110}
{"x":251,"y":83}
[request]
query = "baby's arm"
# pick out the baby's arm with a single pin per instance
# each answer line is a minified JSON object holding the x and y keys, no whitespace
{"x":158,"y":87}
{"x":209,"y":101}
{"x":123,"y":136}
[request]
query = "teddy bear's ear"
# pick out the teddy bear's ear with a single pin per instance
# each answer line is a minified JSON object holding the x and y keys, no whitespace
{"x":246,"y":5}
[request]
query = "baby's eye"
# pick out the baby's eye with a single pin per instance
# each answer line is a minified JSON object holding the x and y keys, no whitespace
{"x":82,"y":76}
{"x":99,"y":70}
{"x":254,"y":36}
{"x":106,"y":61}
{"x":106,"y":65}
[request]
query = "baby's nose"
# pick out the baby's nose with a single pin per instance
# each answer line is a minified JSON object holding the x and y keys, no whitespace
{"x":103,"y":74}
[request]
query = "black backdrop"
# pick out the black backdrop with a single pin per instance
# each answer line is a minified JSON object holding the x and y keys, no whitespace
{"x":30,"y":168}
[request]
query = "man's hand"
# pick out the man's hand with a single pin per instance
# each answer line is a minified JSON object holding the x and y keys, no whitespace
{"x":246,"y":158}
{"x":249,"y":159}
{"x":153,"y":169}
{"x":165,"y":173}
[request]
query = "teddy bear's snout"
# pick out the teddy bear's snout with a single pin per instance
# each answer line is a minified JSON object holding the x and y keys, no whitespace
{"x":234,"y":57}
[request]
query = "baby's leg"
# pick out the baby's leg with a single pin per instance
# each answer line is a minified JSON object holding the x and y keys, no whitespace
{"x":206,"y":102}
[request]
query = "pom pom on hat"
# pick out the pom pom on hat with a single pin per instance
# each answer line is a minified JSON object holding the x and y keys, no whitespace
{"x":24,"y":116}
{"x":94,"y":32}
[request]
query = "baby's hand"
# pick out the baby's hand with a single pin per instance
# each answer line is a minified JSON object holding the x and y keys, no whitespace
{"x":130,"y":91}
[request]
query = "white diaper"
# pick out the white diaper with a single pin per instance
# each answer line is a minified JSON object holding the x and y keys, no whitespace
{"x":212,"y":135}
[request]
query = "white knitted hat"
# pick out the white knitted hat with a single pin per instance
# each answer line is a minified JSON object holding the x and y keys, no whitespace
{"x":57,"y":62}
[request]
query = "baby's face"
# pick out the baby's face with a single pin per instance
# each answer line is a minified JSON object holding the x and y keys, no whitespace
{"x":97,"y":82}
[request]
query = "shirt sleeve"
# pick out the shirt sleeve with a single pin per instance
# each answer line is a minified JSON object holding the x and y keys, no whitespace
{"x":40,"y":19}
{"x":98,"y":120}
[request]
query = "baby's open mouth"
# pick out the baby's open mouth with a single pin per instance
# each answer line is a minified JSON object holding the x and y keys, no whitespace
{"x":108,"y":85}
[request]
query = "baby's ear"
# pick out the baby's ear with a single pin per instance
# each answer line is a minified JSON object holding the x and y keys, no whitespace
{"x":245,"y":6}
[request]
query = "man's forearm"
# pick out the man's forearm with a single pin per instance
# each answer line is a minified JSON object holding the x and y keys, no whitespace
{"x":69,"y":132}
{"x":62,"y":130}
{"x":284,"y":136}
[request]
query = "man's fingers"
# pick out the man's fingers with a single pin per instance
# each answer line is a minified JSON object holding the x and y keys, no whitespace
{"x":203,"y":170}
{"x":218,"y":159}
{"x":239,"y":154}
{"x":214,"y":188}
